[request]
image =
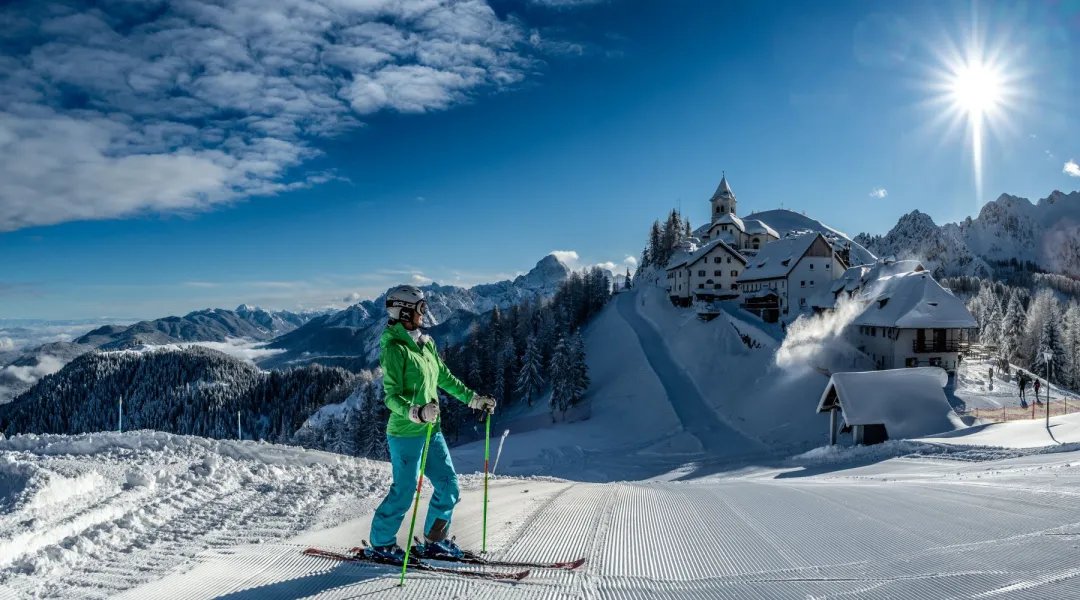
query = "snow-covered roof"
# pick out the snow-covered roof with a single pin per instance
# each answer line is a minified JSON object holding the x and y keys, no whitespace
{"x":730,"y":218}
{"x":776,"y":259}
{"x":851,"y":280}
{"x":888,"y":267}
{"x":690,"y":259}
{"x":913,"y":301}
{"x":762,"y":293}
{"x":822,"y":299}
{"x":723,"y":189}
{"x":908,"y":402}
{"x":754,"y":226}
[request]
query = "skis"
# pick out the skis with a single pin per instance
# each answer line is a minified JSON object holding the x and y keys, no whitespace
{"x":472,"y":558}
{"x":418,"y":566}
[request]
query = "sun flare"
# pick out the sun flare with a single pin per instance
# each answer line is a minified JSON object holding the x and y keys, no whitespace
{"x":977,"y":88}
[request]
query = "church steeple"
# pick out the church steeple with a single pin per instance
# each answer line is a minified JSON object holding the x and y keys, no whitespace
{"x":723,"y":200}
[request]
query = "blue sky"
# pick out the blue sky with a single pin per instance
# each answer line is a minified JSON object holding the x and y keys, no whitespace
{"x":298,"y":154}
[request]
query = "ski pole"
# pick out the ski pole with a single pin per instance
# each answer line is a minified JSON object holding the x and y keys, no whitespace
{"x":487,"y":454}
{"x":416,"y":504}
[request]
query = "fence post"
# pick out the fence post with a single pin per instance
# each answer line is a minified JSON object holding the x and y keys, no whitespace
{"x":1033,"y":406}
{"x":1003,"y":417}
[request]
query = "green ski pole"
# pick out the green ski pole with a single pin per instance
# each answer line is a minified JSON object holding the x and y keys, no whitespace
{"x":487,"y":447}
{"x":416,"y":504}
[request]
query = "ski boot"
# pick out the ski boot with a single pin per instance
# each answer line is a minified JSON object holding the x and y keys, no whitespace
{"x":441,"y":550}
{"x":392,"y":554}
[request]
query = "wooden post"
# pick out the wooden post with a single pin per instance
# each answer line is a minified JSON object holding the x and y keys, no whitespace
{"x":832,"y":427}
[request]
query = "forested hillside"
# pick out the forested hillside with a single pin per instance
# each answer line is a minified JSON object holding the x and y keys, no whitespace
{"x":194,"y":391}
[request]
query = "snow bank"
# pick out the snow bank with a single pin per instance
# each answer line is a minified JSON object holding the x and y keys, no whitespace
{"x":140,"y":503}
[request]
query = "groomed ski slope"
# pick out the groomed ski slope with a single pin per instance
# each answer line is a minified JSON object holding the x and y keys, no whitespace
{"x":658,"y":512}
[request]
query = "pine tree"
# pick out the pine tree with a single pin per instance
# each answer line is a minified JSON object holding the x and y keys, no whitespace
{"x":991,"y":331}
{"x":1072,"y":343}
{"x":559,"y":375}
{"x":1012,"y":328}
{"x":578,"y":378}
{"x":656,"y":254}
{"x":626,"y":282}
{"x":529,"y":380}
{"x":1050,"y":342}
{"x":689,"y":232}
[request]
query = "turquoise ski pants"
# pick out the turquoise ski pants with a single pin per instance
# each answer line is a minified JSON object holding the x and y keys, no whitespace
{"x":405,"y":455}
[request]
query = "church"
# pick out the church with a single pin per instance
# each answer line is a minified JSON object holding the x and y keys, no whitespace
{"x":717,"y":253}
{"x":745,"y":235}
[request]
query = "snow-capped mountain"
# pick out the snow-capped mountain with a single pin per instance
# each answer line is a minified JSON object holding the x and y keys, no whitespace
{"x":1046,"y":233}
{"x":787,"y":221}
{"x":350,"y":337}
{"x":210,"y":325}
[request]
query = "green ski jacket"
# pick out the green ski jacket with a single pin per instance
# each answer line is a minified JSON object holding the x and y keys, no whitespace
{"x":413,"y":375}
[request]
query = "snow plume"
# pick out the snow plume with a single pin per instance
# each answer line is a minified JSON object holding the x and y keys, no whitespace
{"x":46,"y":365}
{"x":812,"y":341}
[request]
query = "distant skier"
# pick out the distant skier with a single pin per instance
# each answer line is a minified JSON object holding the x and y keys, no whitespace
{"x":783,"y":327}
{"x":1021,"y":382}
{"x":412,"y":375}
{"x":1038,"y":385}
{"x":991,"y":380}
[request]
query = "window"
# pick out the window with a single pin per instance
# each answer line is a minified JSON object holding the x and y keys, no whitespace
{"x":786,"y":262}
{"x":802,"y":283}
{"x":734,"y":286}
{"x":734,"y":273}
{"x":811,"y":283}
{"x":827,"y":265}
{"x":802,"y":302}
{"x":811,"y":266}
{"x":717,"y":273}
{"x":935,"y":361}
{"x":701,"y":286}
{"x":701,"y":273}
{"x":729,"y":260}
{"x":911,"y":361}
{"x":873,"y":332}
{"x":718,"y":287}
{"x":716,"y":259}
{"x":781,"y":284}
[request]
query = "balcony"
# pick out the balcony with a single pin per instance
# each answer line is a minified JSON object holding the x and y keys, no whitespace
{"x":939,"y":346}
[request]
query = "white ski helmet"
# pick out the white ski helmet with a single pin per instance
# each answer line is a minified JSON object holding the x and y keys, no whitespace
{"x":402,"y":301}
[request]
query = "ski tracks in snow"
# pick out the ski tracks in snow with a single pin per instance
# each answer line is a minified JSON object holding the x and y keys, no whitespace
{"x":89,"y":524}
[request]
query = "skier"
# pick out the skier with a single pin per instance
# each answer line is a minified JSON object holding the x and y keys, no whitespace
{"x":1037,"y":386}
{"x":412,"y":375}
{"x":1021,"y":382}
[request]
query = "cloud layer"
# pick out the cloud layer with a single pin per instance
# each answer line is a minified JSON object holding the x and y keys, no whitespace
{"x":168,"y":106}
{"x":1071,"y":168}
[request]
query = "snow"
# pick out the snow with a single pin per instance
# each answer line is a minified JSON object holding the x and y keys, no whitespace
{"x":777,"y":259}
{"x":913,"y":301}
{"x":909,"y":402}
{"x":89,"y":516}
{"x":788,"y":221}
{"x":754,"y":226}
{"x":671,"y":458}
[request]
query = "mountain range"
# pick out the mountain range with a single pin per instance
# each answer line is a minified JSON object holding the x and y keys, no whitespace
{"x":350,"y":338}
{"x":346,"y":338}
{"x":1044,"y":233}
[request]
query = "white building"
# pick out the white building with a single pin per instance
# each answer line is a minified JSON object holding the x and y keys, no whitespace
{"x":709,"y":273}
{"x":881,"y":405}
{"x":852,"y":281}
{"x":909,"y":320}
{"x":742,"y":234}
{"x":786,"y":274}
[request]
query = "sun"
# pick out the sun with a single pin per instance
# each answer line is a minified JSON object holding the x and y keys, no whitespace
{"x":977,"y":88}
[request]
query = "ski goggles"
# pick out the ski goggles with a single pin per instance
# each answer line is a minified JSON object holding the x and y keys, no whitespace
{"x":420,"y":307}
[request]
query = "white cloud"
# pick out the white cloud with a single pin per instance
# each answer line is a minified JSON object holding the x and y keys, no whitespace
{"x":353,"y":298}
{"x":28,"y":375}
{"x":1072,"y":169}
{"x":630,"y":261}
{"x":7,"y":343}
{"x":609,"y":266}
{"x":125,"y":109}
{"x":418,"y":279}
{"x":878,"y":193}
{"x":567,"y":257}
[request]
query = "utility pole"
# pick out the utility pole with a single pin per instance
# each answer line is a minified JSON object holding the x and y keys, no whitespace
{"x":120,"y":416}
{"x":239,"y":433}
{"x":1047,"y":356}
